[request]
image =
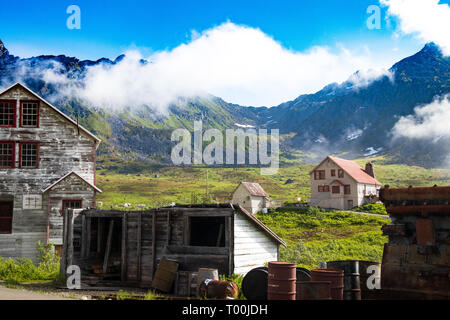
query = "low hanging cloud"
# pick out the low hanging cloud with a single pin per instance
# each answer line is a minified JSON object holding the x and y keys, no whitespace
{"x":428,"y":19}
{"x":240,"y":64}
{"x":429,"y":122}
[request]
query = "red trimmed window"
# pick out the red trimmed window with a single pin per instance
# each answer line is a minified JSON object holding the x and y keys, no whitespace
{"x":29,"y":114}
{"x":7,"y":154}
{"x":320,"y":188}
{"x":7,"y":113}
{"x":333,"y":172}
{"x":71,"y":204}
{"x":340,"y":173}
{"x":319,"y":175}
{"x":326,"y":188}
{"x":29,"y":154}
{"x":347,"y":189}
{"x":336,"y":189}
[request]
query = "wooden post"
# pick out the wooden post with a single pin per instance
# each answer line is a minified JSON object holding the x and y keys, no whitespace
{"x":99,"y":235}
{"x":139,"y":245}
{"x":63,"y":263}
{"x":153,"y":243}
{"x":168,"y":228}
{"x":123,"y":275}
{"x":83,"y":237}
{"x":229,"y":242}
{"x":88,"y":237}
{"x":70,"y":219}
{"x":108,"y":246}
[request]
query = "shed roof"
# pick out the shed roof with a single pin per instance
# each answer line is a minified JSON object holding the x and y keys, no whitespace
{"x":255,"y":189}
{"x":353,"y":169}
{"x":18,"y":84}
{"x":68,"y":175}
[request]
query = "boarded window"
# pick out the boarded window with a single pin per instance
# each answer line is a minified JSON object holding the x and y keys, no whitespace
{"x":7,"y":113}
{"x":30,"y":114}
{"x":336,"y":189}
{"x":340,"y":173}
{"x":7,"y":154}
{"x":207,"y":231}
{"x":347,"y":189}
{"x":29,"y":154}
{"x":6,"y":216}
{"x":71,"y":204}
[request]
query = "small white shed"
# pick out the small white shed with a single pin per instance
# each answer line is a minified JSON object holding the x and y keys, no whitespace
{"x":251,"y":196}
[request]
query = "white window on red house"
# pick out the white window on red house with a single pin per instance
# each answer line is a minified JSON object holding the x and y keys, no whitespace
{"x":7,"y":113}
{"x":30,"y":114}
{"x":347,"y":189}
{"x":29,"y":155}
{"x":7,"y":154}
{"x":336,"y":189}
{"x":340,"y":173}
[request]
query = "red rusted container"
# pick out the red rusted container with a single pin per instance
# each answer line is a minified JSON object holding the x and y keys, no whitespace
{"x":336,"y":277}
{"x":313,"y":290}
{"x":217,"y":289}
{"x":281,"y":281}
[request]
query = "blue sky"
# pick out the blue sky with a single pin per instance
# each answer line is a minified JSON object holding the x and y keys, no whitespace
{"x":111,"y":27}
{"x":250,"y":52}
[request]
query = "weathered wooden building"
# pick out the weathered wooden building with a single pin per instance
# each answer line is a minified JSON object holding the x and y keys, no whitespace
{"x":127,"y":246}
{"x":47,"y":164}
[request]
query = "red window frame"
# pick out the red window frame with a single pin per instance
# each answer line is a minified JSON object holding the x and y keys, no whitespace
{"x":37,"y":113}
{"x":347,"y":189}
{"x":340,"y":173}
{"x":15,"y":114}
{"x":319,"y":174}
{"x":320,"y":189}
{"x":20,"y":154}
{"x":336,"y":189}
{"x":13,"y":154}
{"x":64,"y":204}
{"x":326,"y":188}
{"x":333,"y":172}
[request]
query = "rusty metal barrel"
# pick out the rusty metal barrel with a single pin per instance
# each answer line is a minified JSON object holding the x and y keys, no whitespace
{"x":336,"y":277}
{"x":313,"y":290}
{"x":281,"y":281}
{"x":372,"y":270}
{"x":352,"y":290}
{"x":254,"y":284}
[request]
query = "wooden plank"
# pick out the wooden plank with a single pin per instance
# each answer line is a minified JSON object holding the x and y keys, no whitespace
{"x":138,"y":249}
{"x":230,"y":243}
{"x":153,"y":244}
{"x":70,"y":220}
{"x":88,"y":234}
{"x":169,"y":231}
{"x":123,"y":265}
{"x":63,"y":265}
{"x":83,"y":237}
{"x":108,"y":246}
{"x":99,"y":235}
{"x":186,"y":230}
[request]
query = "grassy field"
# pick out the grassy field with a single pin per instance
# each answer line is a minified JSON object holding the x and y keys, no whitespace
{"x":313,"y":235}
{"x":139,"y":183}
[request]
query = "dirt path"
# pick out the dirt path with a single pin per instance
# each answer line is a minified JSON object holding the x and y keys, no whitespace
{"x":20,"y":294}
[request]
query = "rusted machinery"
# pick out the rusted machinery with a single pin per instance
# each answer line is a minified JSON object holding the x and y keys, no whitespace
{"x":416,"y":261}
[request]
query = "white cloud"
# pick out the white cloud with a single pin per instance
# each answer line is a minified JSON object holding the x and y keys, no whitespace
{"x":237,"y":63}
{"x":427,"y":19}
{"x":428,"y":122}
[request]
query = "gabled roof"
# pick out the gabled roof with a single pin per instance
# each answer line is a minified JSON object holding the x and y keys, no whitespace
{"x":353,"y":170}
{"x":255,"y":189}
{"x":18,"y":84}
{"x":68,"y":175}
{"x":262,"y":226}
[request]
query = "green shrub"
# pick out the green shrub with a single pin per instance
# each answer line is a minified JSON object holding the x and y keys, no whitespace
{"x":377,"y":208}
{"x":19,"y":270}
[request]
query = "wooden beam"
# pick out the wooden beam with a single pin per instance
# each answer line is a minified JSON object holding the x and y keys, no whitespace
{"x":88,"y":236}
{"x":99,"y":235}
{"x":123,"y":265}
{"x":70,"y":220}
{"x":169,"y":231}
{"x":229,"y":240}
{"x":139,"y":245}
{"x":108,"y":246}
{"x":83,"y":237}
{"x":153,"y":243}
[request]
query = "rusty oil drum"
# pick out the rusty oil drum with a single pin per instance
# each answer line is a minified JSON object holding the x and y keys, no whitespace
{"x":281,"y":281}
{"x":336,"y":277}
{"x":313,"y":290}
{"x":352,"y":290}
